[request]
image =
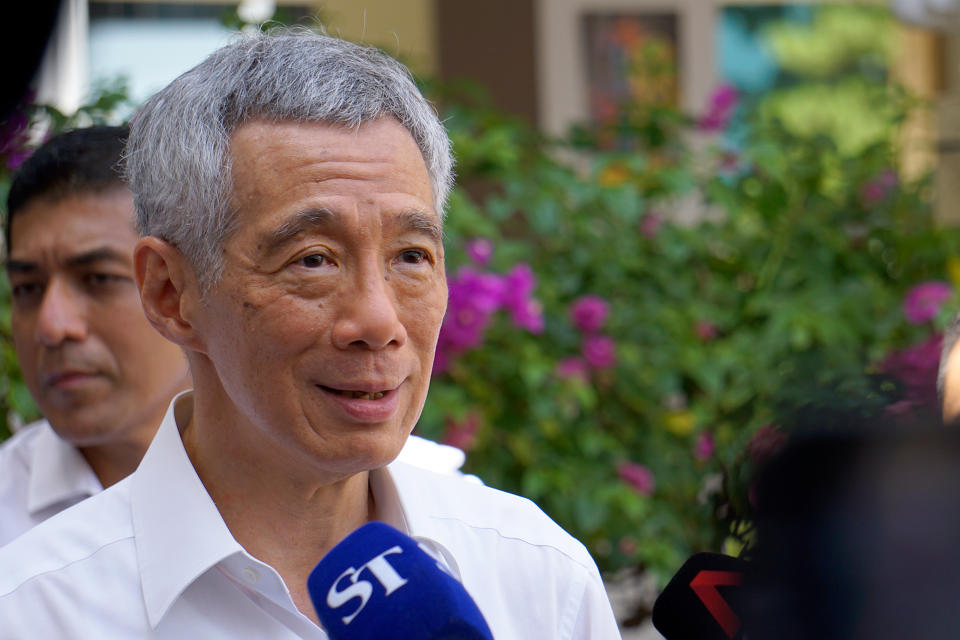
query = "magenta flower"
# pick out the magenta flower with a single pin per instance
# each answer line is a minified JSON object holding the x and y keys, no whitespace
{"x":650,"y":224}
{"x":703,"y":448}
{"x":480,"y":250}
{"x":705,"y":330}
{"x":573,"y":367}
{"x":525,"y":311}
{"x":14,"y":138}
{"x":589,"y":313}
{"x":723,"y":102}
{"x":639,"y":477}
{"x":528,"y":315}
{"x":922,"y":303}
{"x":474,"y":296}
{"x":916,"y":367}
{"x":599,"y":351}
{"x":627,"y":545}
{"x":875,"y":191}
{"x":462,"y":434}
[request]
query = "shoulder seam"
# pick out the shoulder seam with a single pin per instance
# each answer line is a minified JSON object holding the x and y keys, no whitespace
{"x":63,"y":566}
{"x":577,"y":561}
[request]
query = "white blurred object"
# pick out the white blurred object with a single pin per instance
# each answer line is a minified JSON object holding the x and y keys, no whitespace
{"x":256,"y":11}
{"x":433,"y":456}
{"x":62,"y":78}
{"x":941,"y":15}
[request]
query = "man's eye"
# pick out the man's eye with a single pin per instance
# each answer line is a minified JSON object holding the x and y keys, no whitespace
{"x":413,"y":256}
{"x":26,"y":290}
{"x":100,"y":279}
{"x":313,"y":261}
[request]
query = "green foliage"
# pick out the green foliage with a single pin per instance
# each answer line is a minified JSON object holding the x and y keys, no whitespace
{"x":786,"y":291}
{"x":784,"y":288}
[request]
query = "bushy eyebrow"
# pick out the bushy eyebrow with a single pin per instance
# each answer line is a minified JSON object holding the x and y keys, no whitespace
{"x":422,"y":222}
{"x":309,"y":219}
{"x":300,"y":223}
{"x":101,"y":254}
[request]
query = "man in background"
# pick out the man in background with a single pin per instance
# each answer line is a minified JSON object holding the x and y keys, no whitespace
{"x":100,"y":374}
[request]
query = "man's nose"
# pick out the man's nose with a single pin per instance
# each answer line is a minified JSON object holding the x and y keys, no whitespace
{"x":62,"y":315}
{"x":369,"y":317}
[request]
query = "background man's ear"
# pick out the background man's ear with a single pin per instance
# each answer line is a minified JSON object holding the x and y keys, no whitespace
{"x":169,"y":290}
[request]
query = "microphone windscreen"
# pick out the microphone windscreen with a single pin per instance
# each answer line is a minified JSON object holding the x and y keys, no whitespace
{"x":702,"y":601}
{"x":378,"y":583}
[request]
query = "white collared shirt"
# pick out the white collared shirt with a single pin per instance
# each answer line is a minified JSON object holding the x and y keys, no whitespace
{"x":40,"y":475}
{"x":151,"y":557}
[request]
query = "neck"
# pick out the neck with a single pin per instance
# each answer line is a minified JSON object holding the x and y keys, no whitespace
{"x":280,"y":510}
{"x":115,"y":461}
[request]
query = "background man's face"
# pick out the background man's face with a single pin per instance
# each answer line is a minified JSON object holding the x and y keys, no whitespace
{"x":323,"y":327}
{"x":97,"y":370}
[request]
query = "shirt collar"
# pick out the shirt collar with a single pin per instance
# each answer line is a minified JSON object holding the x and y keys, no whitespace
{"x":400,"y":491}
{"x":58,"y":472}
{"x":165,"y":491}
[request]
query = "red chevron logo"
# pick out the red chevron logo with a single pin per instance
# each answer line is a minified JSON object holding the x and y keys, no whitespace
{"x":705,"y":584}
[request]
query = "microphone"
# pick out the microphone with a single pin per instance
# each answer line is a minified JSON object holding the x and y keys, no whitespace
{"x":379,"y":583}
{"x":702,"y":600}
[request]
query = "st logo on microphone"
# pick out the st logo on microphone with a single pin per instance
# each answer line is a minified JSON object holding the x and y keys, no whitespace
{"x":349,"y":584}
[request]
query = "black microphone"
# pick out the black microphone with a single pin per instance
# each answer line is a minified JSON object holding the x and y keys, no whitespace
{"x":702,"y":601}
{"x":378,"y":583}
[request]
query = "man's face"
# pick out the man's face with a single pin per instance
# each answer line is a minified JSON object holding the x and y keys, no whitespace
{"x":97,"y":370}
{"x":323,"y":326}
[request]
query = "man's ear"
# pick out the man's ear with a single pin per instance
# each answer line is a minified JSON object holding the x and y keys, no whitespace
{"x":169,"y":290}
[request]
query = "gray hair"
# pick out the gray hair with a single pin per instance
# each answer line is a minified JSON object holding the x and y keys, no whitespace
{"x":178,"y":155}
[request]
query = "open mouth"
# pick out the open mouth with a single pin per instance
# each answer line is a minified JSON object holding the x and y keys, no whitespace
{"x":356,"y":395}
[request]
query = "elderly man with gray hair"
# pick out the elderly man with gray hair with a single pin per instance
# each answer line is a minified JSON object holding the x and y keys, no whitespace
{"x":290,"y":193}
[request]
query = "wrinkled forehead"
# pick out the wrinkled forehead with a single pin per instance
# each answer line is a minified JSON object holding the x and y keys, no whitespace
{"x":262,"y":146}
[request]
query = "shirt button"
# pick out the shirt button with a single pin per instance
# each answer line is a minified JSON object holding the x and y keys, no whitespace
{"x":250,"y":575}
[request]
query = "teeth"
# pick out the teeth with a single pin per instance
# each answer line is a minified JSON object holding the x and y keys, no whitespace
{"x":363,"y":394}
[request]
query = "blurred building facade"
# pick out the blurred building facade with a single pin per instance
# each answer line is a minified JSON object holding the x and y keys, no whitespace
{"x":534,"y":57}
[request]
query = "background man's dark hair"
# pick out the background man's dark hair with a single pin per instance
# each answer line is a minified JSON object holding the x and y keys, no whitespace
{"x":82,"y":160}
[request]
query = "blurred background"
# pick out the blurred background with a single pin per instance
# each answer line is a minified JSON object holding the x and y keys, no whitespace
{"x":678,"y":224}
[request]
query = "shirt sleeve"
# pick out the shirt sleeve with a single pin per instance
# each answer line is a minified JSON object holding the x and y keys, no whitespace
{"x":595,"y":619}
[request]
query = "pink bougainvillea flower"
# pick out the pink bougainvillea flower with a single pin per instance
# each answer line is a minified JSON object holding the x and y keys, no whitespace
{"x":922,"y":303}
{"x":705,"y":330}
{"x":528,"y":315}
{"x":723,"y":103}
{"x":573,"y":367}
{"x":462,"y":434}
{"x":480,"y":250}
{"x":627,"y":545}
{"x":650,"y":224}
{"x":589,"y":313}
{"x":875,"y":191}
{"x":14,"y":139}
{"x":916,"y":367}
{"x":703,"y":448}
{"x":474,"y":296}
{"x":599,"y":351}
{"x":639,"y":477}
{"x":525,"y":311}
